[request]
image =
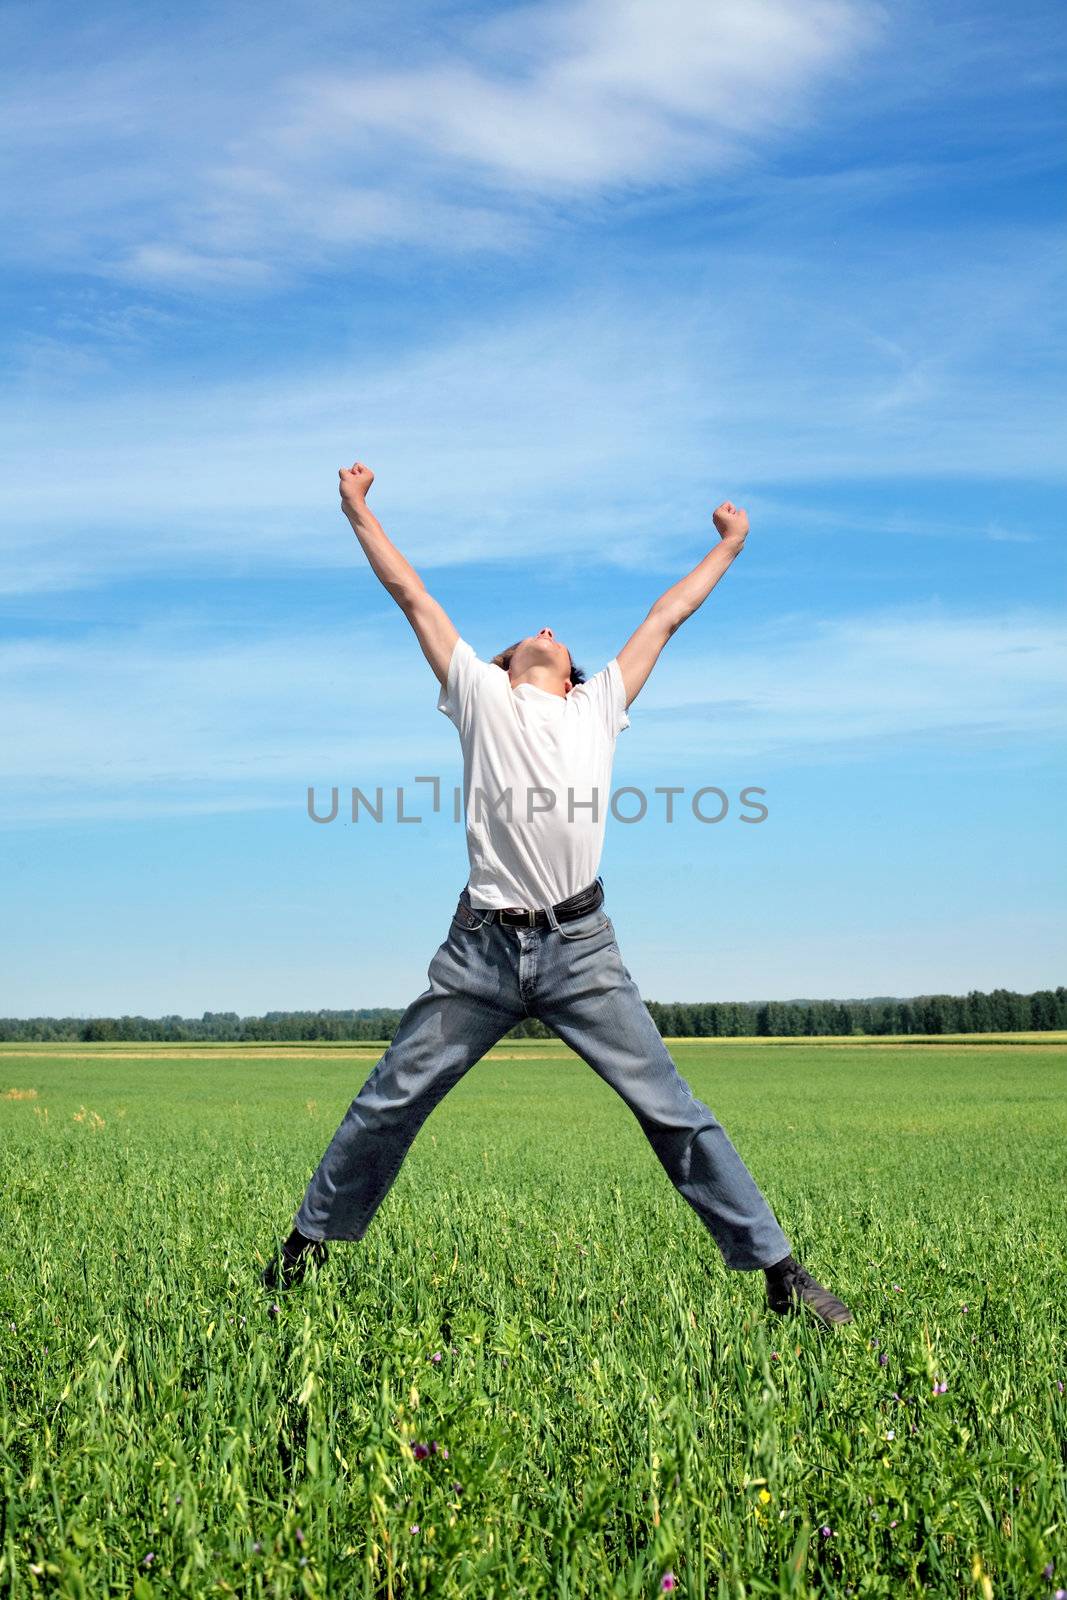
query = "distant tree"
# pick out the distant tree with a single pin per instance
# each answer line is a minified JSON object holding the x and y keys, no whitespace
{"x":1002,"y":1011}
{"x":529,"y":1028}
{"x":1042,"y":1010}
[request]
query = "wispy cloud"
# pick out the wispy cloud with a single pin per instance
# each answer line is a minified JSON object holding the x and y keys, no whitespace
{"x":833,"y":686}
{"x":533,"y":428}
{"x":288,"y":153}
{"x":191,"y":716}
{"x":567,"y":98}
{"x":151,"y":720}
{"x":999,"y":533}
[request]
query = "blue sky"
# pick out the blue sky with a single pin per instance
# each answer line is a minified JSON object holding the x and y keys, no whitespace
{"x":566,"y":276}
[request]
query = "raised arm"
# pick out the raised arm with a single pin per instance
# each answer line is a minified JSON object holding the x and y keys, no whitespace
{"x":433,"y":627}
{"x":641,"y":651}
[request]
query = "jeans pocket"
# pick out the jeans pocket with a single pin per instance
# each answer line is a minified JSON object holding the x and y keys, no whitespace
{"x":586,"y":926}
{"x":468,"y":918}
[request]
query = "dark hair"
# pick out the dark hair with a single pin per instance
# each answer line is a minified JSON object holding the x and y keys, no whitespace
{"x":576,"y":675}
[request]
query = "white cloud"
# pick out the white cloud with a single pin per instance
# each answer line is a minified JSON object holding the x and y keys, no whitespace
{"x":534,"y":429}
{"x":175,"y":264}
{"x":306,"y":143}
{"x":173,"y":719}
{"x":855,"y":685}
{"x":999,"y":534}
{"x":572,"y":97}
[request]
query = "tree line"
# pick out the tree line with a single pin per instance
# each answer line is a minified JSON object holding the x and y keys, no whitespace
{"x":1000,"y":1011}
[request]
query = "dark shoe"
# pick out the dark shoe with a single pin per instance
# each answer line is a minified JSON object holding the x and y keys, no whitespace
{"x":790,"y":1286}
{"x":289,"y":1265}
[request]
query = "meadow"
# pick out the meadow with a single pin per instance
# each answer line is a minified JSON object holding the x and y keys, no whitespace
{"x":533,"y":1376}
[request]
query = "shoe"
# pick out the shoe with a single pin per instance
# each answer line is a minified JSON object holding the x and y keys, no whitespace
{"x":288,"y":1266}
{"x":790,"y":1286}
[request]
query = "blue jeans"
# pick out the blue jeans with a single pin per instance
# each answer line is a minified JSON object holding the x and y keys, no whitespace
{"x":486,"y":977}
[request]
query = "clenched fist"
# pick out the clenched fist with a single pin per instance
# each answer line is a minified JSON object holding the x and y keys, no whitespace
{"x":731,"y":522}
{"x":355,"y":481}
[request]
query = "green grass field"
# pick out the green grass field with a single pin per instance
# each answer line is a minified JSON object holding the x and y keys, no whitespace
{"x":608,"y":1403}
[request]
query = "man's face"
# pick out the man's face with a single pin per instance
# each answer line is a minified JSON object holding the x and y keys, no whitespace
{"x":541,"y":649}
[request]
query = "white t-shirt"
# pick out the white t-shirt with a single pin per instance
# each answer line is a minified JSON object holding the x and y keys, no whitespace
{"x":536,"y":778}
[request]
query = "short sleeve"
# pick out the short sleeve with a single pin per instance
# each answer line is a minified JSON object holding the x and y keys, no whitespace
{"x":605,"y":693}
{"x":465,"y":672}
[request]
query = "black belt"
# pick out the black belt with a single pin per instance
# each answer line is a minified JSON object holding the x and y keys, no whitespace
{"x":578,"y":905}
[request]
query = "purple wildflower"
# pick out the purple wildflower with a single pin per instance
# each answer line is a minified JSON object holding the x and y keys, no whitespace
{"x":939,"y":1388}
{"x":436,"y":1356}
{"x":1061,"y":1594}
{"x":893,"y":1523}
{"x":897,"y":1289}
{"x":668,"y":1581}
{"x":414,"y":1528}
{"x":419,"y":1451}
{"x":299,"y":1535}
{"x":1048,"y":1570}
{"x":149,"y":1558}
{"x":457,"y":1487}
{"x":774,"y":1355}
{"x":826,"y":1531}
{"x":1059,"y":1384}
{"x":883,"y":1360}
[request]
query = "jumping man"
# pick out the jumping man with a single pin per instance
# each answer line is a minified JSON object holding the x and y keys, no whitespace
{"x":529,"y":936}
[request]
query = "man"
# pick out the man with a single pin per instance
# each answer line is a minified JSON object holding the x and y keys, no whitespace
{"x":529,"y":936}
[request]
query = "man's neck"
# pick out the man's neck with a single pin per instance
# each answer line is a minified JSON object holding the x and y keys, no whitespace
{"x":541,"y":678}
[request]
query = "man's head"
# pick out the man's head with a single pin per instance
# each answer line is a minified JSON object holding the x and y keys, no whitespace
{"x":542,"y":660}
